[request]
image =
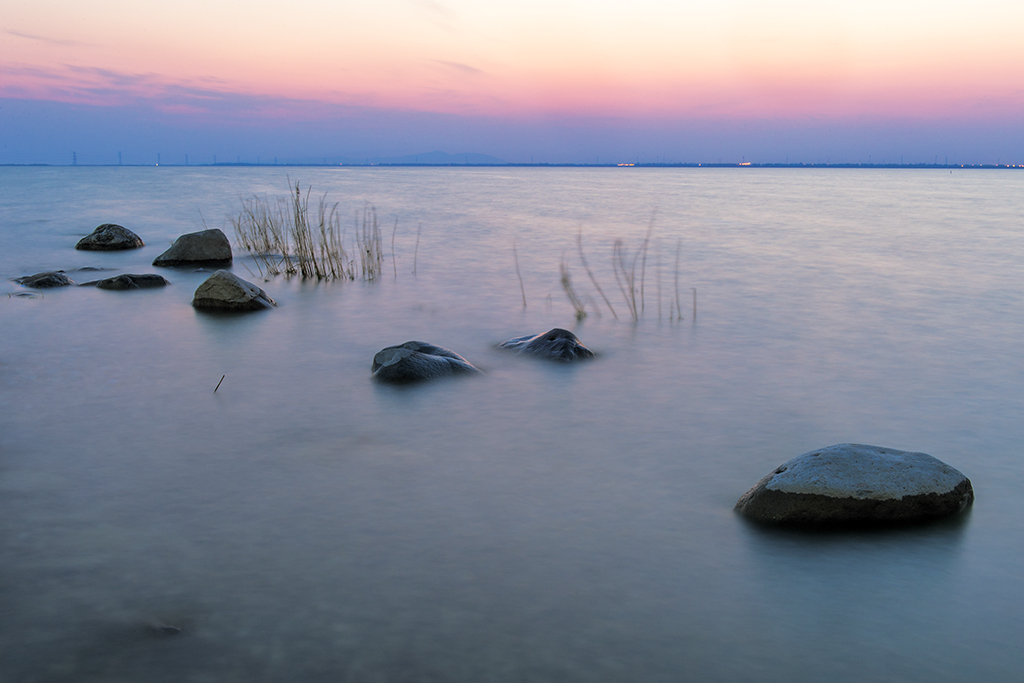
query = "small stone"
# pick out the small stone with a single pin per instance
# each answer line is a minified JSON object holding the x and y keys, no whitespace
{"x":415,"y":361}
{"x":227,"y":292}
{"x":854,"y":483}
{"x":51,"y":278}
{"x":110,"y":237}
{"x":206,"y":247}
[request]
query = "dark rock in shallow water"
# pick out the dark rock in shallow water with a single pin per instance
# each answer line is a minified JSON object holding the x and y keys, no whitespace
{"x":853,"y":483}
{"x":226,"y":291}
{"x":128,"y":281}
{"x":110,"y":237}
{"x":414,"y":361}
{"x":556,"y":344}
{"x":52,"y":278}
{"x":206,"y":247}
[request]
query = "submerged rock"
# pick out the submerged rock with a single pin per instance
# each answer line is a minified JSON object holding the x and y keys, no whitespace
{"x":51,"y":278}
{"x":129,"y":281}
{"x":226,"y":291}
{"x":853,"y":483}
{"x":555,"y":344}
{"x":110,"y":237}
{"x":206,"y":247}
{"x":414,"y":361}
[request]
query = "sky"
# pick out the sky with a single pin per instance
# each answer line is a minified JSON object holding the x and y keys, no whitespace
{"x":548,"y":81}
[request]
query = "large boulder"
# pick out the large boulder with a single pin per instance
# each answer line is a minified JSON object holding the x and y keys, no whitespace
{"x":226,"y":291}
{"x":109,"y":237}
{"x":853,"y":483}
{"x":415,"y":361}
{"x":555,"y":344}
{"x":203,"y":248}
{"x":51,"y":278}
{"x":129,"y":281}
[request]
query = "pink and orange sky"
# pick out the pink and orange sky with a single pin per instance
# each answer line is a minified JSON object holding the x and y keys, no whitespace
{"x":552,"y":81}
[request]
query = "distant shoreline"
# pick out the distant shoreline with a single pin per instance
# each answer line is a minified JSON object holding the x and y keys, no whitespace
{"x":543,"y":165}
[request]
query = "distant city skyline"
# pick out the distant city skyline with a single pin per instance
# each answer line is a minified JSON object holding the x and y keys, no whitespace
{"x":554,"y":82}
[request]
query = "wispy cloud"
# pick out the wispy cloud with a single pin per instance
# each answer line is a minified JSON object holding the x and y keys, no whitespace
{"x":45,"y":39}
{"x":462,"y":68}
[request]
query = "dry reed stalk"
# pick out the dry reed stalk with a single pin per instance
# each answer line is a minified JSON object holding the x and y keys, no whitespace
{"x":678,"y":309}
{"x":282,"y":238}
{"x":590,"y":273}
{"x":416,"y":251}
{"x":515,"y":255}
{"x":625,"y":276}
{"x":574,"y":298}
{"x":643,"y":263}
{"x":394,"y":265}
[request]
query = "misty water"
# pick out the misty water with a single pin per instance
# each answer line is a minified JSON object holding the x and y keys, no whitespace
{"x":540,"y":522}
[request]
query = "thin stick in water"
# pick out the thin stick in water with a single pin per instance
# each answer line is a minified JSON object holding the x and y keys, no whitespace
{"x":590,"y":273}
{"x":515,"y":255}
{"x":218,"y":383}
{"x":679,"y":310}
{"x":694,"y":302}
{"x":416,"y":252}
{"x":393,"y":264}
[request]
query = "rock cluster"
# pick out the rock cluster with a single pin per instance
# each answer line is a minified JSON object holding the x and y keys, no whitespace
{"x":854,"y":483}
{"x":203,"y":248}
{"x":110,"y":237}
{"x":415,"y":361}
{"x":225,"y":291}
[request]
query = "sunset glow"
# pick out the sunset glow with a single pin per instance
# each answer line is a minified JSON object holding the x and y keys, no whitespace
{"x":653,"y":60}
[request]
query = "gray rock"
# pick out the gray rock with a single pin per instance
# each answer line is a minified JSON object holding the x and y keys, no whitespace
{"x":51,"y":278}
{"x":853,"y":483}
{"x":129,"y":281}
{"x":555,"y":344}
{"x":415,"y":361}
{"x":226,"y":291}
{"x":109,"y":237}
{"x":203,"y":248}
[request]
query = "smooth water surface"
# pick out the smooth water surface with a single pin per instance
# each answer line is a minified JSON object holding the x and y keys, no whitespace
{"x":539,"y":523}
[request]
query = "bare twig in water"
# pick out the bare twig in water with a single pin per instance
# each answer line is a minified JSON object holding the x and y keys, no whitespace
{"x":393,"y":231}
{"x":590,"y":273}
{"x":625,"y":276}
{"x":515,"y":255}
{"x":658,"y":250}
{"x":416,"y":252}
{"x":574,"y":298}
{"x":643,"y":263}
{"x":219,"y":383}
{"x":679,"y":310}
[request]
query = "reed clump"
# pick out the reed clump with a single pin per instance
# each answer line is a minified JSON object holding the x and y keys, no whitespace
{"x":285,"y":238}
{"x":629,"y":268}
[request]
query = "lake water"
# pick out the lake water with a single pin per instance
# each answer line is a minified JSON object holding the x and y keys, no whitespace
{"x":538,"y":523}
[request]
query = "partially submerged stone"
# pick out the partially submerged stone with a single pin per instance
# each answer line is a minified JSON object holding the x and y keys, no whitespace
{"x":51,"y":278}
{"x":555,"y":344}
{"x":853,"y":483}
{"x":110,"y":237}
{"x":226,"y":291}
{"x":129,"y":281}
{"x":203,"y":248}
{"x":415,"y":361}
